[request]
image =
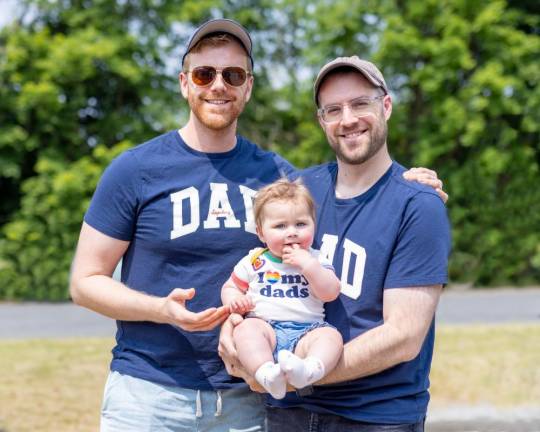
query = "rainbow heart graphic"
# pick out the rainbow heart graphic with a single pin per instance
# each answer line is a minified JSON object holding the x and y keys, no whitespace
{"x":272,"y":276}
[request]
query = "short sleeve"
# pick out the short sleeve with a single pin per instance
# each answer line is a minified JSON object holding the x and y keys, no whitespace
{"x":420,"y":255}
{"x":114,"y":206}
{"x":242,"y":273}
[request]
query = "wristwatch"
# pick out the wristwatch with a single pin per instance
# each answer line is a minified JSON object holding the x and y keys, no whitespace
{"x":306,"y":391}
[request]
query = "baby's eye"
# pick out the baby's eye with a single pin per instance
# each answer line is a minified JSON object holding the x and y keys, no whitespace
{"x":279,"y":226}
{"x":301,"y":224}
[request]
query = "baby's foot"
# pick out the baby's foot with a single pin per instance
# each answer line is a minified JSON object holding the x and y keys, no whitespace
{"x":270,"y":376}
{"x":300,"y":372}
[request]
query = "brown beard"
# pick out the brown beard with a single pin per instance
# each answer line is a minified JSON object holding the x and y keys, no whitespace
{"x":376,"y":142}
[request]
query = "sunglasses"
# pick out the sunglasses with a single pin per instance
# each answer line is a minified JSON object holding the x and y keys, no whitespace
{"x":205,"y":75}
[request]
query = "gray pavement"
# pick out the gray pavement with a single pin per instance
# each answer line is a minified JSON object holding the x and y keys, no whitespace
{"x":502,"y":305}
{"x":59,"y":320}
{"x":457,"y":306}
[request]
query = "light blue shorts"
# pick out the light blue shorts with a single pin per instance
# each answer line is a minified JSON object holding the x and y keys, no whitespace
{"x":133,"y":404}
{"x":289,"y":333}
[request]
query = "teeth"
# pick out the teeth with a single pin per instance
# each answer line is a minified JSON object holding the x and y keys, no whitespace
{"x":217,"y":102}
{"x":353,"y":135}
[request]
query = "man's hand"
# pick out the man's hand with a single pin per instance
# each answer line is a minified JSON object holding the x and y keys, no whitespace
{"x":227,"y":352}
{"x":296,"y":256}
{"x":427,"y":177}
{"x":173,"y":309}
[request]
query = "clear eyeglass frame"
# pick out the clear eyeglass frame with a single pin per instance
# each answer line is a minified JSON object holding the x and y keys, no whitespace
{"x":359,"y":107}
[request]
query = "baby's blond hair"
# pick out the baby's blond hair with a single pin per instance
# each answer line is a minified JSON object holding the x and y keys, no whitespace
{"x":282,"y":190}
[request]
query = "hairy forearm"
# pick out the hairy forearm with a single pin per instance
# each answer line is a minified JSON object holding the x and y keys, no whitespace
{"x":113,"y":299}
{"x":372,"y":352}
{"x":408,"y":314}
{"x":323,"y":282}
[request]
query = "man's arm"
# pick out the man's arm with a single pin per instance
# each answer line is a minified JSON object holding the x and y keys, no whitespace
{"x":92,"y":286}
{"x":407,"y":313}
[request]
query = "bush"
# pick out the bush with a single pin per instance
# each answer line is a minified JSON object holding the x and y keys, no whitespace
{"x":37,"y":247}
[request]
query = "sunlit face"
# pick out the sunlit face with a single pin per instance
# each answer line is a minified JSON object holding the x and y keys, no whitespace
{"x":218,"y":105}
{"x":286,"y":223}
{"x":354,"y":139}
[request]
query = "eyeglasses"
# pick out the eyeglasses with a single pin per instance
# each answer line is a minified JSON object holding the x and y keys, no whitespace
{"x":206,"y":75}
{"x":359,"y":107}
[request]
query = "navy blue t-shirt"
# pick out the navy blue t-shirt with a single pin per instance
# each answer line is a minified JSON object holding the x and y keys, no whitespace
{"x":188,"y":217}
{"x":394,"y":235}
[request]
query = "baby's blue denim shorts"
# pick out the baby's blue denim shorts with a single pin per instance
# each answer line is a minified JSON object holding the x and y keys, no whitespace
{"x":289,"y":333}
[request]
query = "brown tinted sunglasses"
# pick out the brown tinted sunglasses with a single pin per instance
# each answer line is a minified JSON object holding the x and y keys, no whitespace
{"x":205,"y":75}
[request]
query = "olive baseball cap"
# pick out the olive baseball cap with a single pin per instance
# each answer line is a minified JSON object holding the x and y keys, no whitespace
{"x":366,"y":68}
{"x":221,"y":25}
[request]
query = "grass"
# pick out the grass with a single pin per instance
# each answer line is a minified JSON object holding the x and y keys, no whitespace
{"x":52,"y":385}
{"x":486,"y":364}
{"x":56,"y":385}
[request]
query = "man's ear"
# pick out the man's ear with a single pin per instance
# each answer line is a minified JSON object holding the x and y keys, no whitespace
{"x":249,"y":88}
{"x":321,"y":123}
{"x":184,"y":84}
{"x":387,"y":106}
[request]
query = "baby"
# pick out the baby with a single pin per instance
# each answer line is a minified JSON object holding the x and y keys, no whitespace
{"x":282,"y":289}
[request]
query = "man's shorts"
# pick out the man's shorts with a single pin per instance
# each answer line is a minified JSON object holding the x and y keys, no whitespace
{"x":133,"y":404}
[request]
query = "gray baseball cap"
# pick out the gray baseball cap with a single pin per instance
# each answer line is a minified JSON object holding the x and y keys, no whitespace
{"x":221,"y":25}
{"x":366,"y":68}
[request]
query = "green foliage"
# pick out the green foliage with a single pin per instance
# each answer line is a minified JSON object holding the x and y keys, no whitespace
{"x":468,"y":105}
{"x":36,"y":248}
{"x":75,"y":75}
{"x":465,"y":85}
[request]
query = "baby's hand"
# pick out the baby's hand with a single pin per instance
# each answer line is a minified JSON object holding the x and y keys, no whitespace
{"x":241,"y":305}
{"x":296,"y":256}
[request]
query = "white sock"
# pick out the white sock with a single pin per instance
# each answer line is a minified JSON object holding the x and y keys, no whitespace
{"x":300,"y":372}
{"x":270,"y":376}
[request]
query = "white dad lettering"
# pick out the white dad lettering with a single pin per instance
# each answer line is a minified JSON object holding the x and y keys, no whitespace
{"x":219,"y":210}
{"x":329,"y":243}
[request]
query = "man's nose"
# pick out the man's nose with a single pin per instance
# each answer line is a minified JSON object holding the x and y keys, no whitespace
{"x":219,"y":83}
{"x":347,"y":116}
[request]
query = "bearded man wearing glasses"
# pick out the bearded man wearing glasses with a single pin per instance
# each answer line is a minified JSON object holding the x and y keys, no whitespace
{"x":389,"y":240}
{"x":178,"y":211}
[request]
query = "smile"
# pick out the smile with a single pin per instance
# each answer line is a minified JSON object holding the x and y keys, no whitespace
{"x":353,"y":134}
{"x":216,"y":101}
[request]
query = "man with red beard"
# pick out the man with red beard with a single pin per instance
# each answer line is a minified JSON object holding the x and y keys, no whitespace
{"x":178,"y":211}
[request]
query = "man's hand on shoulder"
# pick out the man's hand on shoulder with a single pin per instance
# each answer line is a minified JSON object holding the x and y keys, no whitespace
{"x":427,"y":177}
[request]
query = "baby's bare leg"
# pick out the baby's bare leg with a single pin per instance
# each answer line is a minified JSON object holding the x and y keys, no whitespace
{"x":255,"y":341}
{"x":324,"y":343}
{"x":316,"y":353}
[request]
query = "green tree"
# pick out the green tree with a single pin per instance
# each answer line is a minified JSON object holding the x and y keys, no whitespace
{"x":78,"y":77}
{"x":467,"y":81}
{"x":75,"y":74}
{"x":38,"y":245}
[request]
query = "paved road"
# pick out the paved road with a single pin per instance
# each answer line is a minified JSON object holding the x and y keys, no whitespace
{"x":57,"y":320}
{"x":489,"y":306}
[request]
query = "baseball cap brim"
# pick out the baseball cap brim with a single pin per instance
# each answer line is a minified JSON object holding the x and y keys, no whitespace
{"x":222,"y":25}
